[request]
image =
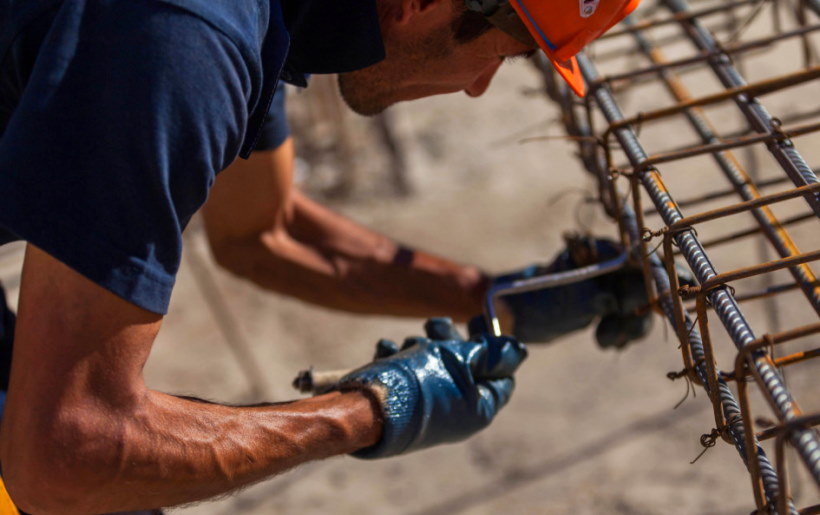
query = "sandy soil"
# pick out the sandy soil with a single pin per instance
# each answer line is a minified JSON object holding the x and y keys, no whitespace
{"x":587,"y":432}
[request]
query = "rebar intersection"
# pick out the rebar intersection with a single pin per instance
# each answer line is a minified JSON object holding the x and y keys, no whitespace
{"x":661,"y":45}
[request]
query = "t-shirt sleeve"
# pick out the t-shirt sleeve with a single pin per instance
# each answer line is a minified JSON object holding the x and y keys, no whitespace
{"x":130,"y":111}
{"x":275,"y":129}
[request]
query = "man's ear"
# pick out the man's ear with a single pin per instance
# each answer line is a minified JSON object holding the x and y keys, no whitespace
{"x":409,"y":9}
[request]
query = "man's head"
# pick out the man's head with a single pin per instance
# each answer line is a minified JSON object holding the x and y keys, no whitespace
{"x":432,"y":47}
{"x":441,"y":46}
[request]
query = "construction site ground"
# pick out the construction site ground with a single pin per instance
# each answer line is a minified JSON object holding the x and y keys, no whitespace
{"x":587,"y":431}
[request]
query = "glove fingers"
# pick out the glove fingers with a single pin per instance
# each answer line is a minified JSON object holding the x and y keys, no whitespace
{"x":497,"y":357}
{"x":495,"y":393}
{"x":477,"y":326}
{"x":412,"y":341}
{"x":385,"y":349}
{"x":617,"y":331}
{"x":441,"y":329}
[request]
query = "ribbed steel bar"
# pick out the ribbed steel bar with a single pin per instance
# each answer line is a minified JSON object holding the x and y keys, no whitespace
{"x":734,"y":49}
{"x":729,"y":144}
{"x":716,"y":195}
{"x":734,"y":172}
{"x":757,"y":115}
{"x":756,"y":89}
{"x":717,"y":9}
{"x":703,"y":268}
{"x":806,"y":442}
{"x":784,"y":222}
{"x":724,"y":304}
{"x":783,"y":337}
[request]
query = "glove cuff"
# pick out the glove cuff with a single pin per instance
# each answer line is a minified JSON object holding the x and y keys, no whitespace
{"x":397,"y":392}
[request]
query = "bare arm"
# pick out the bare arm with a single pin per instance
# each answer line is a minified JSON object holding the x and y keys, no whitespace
{"x":83,"y":434}
{"x":262,"y":229}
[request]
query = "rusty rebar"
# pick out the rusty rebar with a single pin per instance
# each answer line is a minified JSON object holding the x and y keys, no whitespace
{"x":758,"y":117}
{"x":678,"y":17}
{"x":733,"y":49}
{"x":733,"y":419}
{"x":699,"y":263}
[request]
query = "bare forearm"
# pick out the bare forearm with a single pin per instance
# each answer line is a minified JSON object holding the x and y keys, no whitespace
{"x":193,"y":451}
{"x":263,"y":229}
{"x":168,"y":451}
{"x":326,"y":259}
{"x":361,"y":285}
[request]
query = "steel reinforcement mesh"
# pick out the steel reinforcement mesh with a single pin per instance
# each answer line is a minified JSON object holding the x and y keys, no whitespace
{"x":700,"y":125}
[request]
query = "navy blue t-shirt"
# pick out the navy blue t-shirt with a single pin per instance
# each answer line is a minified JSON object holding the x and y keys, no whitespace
{"x":116,"y":115}
{"x":275,"y":129}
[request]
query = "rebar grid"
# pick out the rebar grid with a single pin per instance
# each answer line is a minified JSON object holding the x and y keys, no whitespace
{"x":623,"y":188}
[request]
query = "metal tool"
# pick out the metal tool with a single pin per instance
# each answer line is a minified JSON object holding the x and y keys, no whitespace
{"x":316,"y":382}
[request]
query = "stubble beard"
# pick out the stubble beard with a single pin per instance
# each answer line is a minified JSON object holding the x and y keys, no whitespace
{"x":366,"y":92}
{"x":371,"y":90}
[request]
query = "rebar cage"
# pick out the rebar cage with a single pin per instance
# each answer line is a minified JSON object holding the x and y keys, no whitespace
{"x":694,"y":168}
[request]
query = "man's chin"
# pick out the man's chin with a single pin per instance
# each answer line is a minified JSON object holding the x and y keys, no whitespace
{"x":364,"y":109}
{"x":360,"y":98}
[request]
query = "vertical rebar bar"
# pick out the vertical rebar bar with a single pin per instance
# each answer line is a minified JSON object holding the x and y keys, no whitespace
{"x":739,"y":179}
{"x":723,"y":302}
{"x":757,"y":115}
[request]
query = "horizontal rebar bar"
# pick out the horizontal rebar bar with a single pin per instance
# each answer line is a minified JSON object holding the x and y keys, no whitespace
{"x":757,"y":115}
{"x":729,"y":165}
{"x":708,"y":11}
{"x":729,"y":144}
{"x":734,"y":49}
{"x":756,"y":230}
{"x":754,"y":270}
{"x":740,"y":207}
{"x":756,"y":89}
{"x":784,"y":337}
{"x":717,"y":195}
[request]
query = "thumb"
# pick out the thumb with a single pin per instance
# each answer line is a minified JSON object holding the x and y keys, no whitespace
{"x":441,"y":329}
{"x":385,"y":349}
{"x":500,"y":356}
{"x":494,"y":395}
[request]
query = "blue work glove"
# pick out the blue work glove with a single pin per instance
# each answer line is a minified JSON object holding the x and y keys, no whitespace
{"x":437,"y":389}
{"x":618,"y":299}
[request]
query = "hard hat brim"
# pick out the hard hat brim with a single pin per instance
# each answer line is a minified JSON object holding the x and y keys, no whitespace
{"x":567,"y":68}
{"x":570,"y":72}
{"x":562,"y":33}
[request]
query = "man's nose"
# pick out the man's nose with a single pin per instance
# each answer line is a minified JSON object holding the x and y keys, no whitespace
{"x":482,"y":82}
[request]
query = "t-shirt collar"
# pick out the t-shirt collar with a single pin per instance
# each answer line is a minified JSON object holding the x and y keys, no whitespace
{"x":330,"y":36}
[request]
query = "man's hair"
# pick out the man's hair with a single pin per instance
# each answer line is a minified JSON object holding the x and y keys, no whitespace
{"x":468,"y":24}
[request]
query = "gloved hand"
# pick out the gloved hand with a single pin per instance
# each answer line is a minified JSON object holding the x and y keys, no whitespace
{"x":437,"y":389}
{"x":618,"y":298}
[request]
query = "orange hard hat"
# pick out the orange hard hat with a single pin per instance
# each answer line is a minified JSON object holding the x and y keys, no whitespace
{"x":561,"y":28}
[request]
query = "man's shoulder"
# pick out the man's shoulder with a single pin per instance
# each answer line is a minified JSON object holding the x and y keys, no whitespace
{"x":244,"y":21}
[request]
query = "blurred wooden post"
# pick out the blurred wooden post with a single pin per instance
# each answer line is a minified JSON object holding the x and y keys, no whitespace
{"x":322,"y":124}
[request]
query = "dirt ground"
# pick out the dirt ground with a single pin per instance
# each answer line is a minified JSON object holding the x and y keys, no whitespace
{"x":587,"y":431}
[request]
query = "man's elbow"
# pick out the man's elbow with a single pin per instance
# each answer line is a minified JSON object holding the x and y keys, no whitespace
{"x":61,"y":470}
{"x":228,"y":256}
{"x":249,"y":257}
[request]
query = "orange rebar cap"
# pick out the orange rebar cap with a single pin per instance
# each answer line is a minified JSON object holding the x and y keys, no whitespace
{"x":562,"y":28}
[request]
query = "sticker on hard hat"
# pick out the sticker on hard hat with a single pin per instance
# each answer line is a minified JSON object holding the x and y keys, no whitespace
{"x":588,"y":7}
